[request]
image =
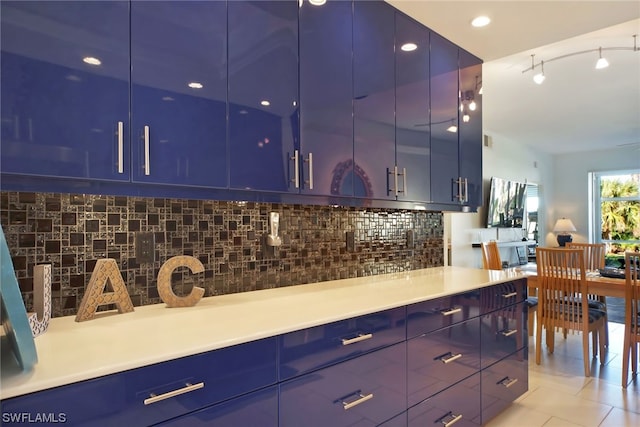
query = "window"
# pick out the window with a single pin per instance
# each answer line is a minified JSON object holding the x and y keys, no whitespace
{"x":616,"y":210}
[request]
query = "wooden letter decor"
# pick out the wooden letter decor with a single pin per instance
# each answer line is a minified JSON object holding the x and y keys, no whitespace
{"x":106,"y":270}
{"x":39,"y":320}
{"x":164,"y":281}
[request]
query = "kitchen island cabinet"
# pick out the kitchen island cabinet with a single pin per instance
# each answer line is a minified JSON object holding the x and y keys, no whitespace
{"x":233,"y":344}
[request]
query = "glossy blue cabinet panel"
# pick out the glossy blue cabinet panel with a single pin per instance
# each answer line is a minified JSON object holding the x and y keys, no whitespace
{"x":504,"y":382}
{"x":503,"y":332}
{"x":313,"y":348}
{"x":118,"y":399}
{"x":440,"y":359}
{"x":263,"y":94}
{"x":471,"y":130}
{"x":61,"y":115}
{"x":326,"y":89}
{"x":374,"y":98}
{"x":444,"y":120}
{"x":256,"y":409}
{"x":461,"y":400}
{"x":428,"y":316}
{"x":364,"y":391}
{"x":412,"y":108}
{"x":176,"y":47}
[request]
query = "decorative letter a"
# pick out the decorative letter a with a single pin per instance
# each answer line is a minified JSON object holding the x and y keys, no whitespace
{"x":106,"y":270}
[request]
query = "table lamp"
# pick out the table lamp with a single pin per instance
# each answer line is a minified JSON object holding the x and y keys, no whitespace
{"x":563,"y":227}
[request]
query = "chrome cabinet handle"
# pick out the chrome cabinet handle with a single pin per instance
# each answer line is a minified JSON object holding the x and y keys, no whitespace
{"x":450,"y":311}
{"x":395,"y":179}
{"x":508,"y":332}
{"x":296,"y":167}
{"x":454,"y":419}
{"x":510,"y":295}
{"x":404,"y":181}
{"x":362,"y":398}
{"x":444,"y":359}
{"x":507,"y":382}
{"x":153,"y":398}
{"x":120,"y":147}
{"x":147,"y":170}
{"x":360,"y":337}
{"x":466,"y":190}
{"x":309,"y":160}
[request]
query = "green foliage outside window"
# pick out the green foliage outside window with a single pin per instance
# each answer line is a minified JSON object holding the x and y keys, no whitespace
{"x":620,"y":210}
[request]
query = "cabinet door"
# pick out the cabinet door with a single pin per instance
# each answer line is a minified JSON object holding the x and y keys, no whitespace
{"x":412,"y":109}
{"x":65,"y":89}
{"x":364,"y":391}
{"x":257,"y":409}
{"x":326,"y":89}
{"x":178,"y":96}
{"x":504,"y":382}
{"x":374,"y":99}
{"x":263,"y":94}
{"x":471,"y":129}
{"x":444,"y":120}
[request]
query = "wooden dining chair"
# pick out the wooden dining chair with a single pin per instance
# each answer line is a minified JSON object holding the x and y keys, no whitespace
{"x":491,"y":260}
{"x":594,"y":259}
{"x":563,"y":303}
{"x":631,"y":315}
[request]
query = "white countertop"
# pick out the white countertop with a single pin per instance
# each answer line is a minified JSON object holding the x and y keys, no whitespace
{"x":70,"y":351}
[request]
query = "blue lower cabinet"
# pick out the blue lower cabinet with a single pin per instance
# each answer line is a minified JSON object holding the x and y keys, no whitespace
{"x":504,"y":382}
{"x":257,"y":409}
{"x":459,"y":404}
{"x":427,"y":316}
{"x":158,"y":392}
{"x":442,"y":358}
{"x":313,"y":348}
{"x":502,"y":295}
{"x":503,"y":332}
{"x":365,"y":391}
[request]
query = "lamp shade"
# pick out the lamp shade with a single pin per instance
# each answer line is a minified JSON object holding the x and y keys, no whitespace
{"x":564,"y":225}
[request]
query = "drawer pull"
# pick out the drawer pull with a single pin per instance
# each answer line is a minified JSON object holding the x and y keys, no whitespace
{"x":362,"y":398}
{"x":444,"y":359}
{"x":508,"y":332}
{"x":510,"y":295}
{"x":454,"y":419}
{"x":360,"y":337}
{"x":508,"y":382}
{"x":450,"y":311}
{"x":153,"y":398}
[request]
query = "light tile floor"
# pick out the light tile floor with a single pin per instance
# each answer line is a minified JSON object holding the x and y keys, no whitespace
{"x":561,"y":396}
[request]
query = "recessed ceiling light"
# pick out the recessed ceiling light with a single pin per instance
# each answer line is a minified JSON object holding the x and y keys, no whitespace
{"x":408,"y":47}
{"x":265,"y":103}
{"x":481,"y":21}
{"x":91,"y":60}
{"x":195,"y":85}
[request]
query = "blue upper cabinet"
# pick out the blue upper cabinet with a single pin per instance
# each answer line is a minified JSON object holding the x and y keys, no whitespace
{"x":179,"y":92}
{"x":374,"y":100}
{"x":445,"y":173}
{"x":65,"y":89}
{"x":412,"y":109}
{"x":262,"y":71}
{"x":325,"y":156}
{"x":471,"y":129}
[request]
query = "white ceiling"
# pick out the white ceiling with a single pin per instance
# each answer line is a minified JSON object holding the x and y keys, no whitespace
{"x":577,"y":108}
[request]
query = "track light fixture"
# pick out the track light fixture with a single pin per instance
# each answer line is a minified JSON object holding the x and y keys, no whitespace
{"x":600,"y":64}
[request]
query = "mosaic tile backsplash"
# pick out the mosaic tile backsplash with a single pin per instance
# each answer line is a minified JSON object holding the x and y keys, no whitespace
{"x":72,"y":231}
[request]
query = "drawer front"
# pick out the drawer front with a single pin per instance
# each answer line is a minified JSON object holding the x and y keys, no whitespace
{"x":368,"y":390}
{"x":428,"y":316}
{"x":503,"y":332}
{"x":497,"y":297}
{"x":504,"y":382}
{"x":120,"y":398}
{"x":313,"y":348}
{"x":442,"y":358}
{"x":257,"y":409}
{"x":458,"y":405}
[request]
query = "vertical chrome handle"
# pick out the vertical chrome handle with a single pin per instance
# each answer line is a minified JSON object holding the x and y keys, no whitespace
{"x":309,"y":160}
{"x":395,"y":179}
{"x":466,"y":190}
{"x":296,"y":167}
{"x":404,"y":181}
{"x":460,"y":196}
{"x":120,"y":147}
{"x":147,"y":170}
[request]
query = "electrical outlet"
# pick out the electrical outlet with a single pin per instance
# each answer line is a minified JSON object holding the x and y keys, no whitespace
{"x":351,"y":241}
{"x":145,"y":248}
